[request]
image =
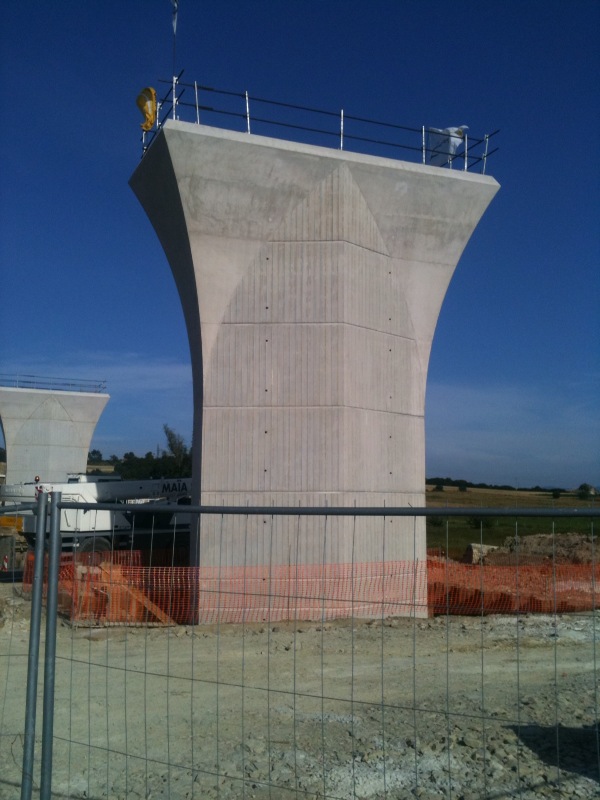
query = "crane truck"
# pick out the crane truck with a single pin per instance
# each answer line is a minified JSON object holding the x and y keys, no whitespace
{"x":86,"y":530}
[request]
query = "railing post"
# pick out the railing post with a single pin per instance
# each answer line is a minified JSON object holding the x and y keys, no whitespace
{"x":466,"y":151}
{"x":197,"y":109}
{"x":34,"y":648}
{"x":247,"y":113}
{"x":485,"y":152}
{"x":342,"y":130}
{"x":54,"y":547}
{"x":423,"y":145}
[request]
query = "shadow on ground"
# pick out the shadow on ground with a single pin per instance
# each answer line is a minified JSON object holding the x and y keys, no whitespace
{"x":572,"y":749}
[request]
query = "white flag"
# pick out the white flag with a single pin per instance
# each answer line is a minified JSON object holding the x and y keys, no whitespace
{"x":444,"y":142}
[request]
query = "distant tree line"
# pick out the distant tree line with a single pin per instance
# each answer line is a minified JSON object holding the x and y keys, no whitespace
{"x":585,"y":491}
{"x":174,"y":462}
{"x":462,"y":484}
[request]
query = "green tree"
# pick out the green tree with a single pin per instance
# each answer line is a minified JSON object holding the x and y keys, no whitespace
{"x":178,"y":450}
{"x":94,"y":456}
{"x":175,"y":462}
{"x":585,"y":491}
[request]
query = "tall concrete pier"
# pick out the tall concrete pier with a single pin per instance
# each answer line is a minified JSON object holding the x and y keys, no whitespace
{"x":311,"y":281}
{"x":47,"y":431}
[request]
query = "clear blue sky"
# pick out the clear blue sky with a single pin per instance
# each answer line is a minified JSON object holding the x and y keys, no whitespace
{"x":514,"y":381}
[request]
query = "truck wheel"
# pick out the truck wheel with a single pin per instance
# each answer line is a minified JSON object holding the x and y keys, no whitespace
{"x":93,"y":544}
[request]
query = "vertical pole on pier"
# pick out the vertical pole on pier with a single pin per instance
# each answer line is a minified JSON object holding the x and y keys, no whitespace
{"x":175,"y":4}
{"x":485,"y":152}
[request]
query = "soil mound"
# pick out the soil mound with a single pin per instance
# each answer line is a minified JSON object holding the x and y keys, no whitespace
{"x":561,"y":548}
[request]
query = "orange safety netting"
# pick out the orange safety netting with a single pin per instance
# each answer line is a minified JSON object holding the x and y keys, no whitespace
{"x":129,"y":557}
{"x":109,"y":593}
{"x":542,"y":588}
{"x":113,"y":588}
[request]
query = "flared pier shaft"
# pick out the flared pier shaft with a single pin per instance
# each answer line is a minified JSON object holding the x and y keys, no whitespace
{"x":47,"y":432}
{"x":311,"y":282}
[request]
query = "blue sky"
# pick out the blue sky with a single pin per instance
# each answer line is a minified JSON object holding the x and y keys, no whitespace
{"x":514,"y":381}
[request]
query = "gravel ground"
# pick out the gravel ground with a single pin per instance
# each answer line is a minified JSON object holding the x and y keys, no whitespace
{"x":471,"y":708}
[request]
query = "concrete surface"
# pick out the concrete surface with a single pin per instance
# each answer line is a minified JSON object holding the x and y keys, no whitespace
{"x":311,"y":282}
{"x":47,"y":432}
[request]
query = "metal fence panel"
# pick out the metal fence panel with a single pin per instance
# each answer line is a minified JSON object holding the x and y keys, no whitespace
{"x":370,"y":705}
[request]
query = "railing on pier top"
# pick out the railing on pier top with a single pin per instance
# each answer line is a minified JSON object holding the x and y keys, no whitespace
{"x":193,"y":102}
{"x":20,"y":381}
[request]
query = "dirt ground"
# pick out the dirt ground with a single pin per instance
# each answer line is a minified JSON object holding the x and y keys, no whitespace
{"x":470,"y":708}
{"x":568,"y":548}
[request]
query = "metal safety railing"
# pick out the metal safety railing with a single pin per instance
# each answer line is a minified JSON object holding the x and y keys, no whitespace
{"x":48,"y":536}
{"x":25,"y":381}
{"x":194,"y":102}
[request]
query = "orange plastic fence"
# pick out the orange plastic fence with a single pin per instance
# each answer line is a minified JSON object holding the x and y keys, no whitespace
{"x":175,"y":595}
{"x":129,"y":557}
{"x":544,"y":589}
{"x":99,"y":591}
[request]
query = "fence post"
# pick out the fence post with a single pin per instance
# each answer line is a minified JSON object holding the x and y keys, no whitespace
{"x":54,"y":547}
{"x":34,"y":648}
{"x":247,"y":113}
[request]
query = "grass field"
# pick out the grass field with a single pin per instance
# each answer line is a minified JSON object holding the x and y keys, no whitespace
{"x":453,"y":535}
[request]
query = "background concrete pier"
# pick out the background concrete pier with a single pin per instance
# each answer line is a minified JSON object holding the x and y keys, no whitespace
{"x":47,"y":431}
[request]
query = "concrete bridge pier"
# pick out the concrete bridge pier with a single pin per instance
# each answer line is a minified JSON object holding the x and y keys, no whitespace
{"x":47,"y":432}
{"x":311,"y":282}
